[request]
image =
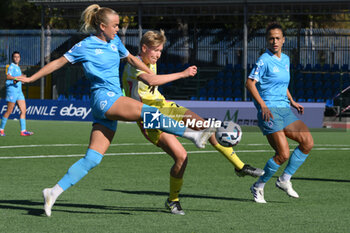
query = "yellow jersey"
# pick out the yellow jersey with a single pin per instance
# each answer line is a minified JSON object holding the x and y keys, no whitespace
{"x":140,"y":91}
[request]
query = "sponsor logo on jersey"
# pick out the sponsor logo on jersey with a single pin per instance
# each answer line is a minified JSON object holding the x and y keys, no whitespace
{"x":275,"y":69}
{"x":98,"y":51}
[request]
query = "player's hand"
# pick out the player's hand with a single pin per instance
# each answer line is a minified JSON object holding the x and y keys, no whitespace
{"x":190,"y":71}
{"x":298,"y":107}
{"x":23,"y":79}
{"x":266,"y":113}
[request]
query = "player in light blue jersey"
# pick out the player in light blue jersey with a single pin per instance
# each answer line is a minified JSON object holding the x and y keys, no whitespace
{"x":100,"y":55}
{"x":268,"y":84}
{"x":14,"y":95}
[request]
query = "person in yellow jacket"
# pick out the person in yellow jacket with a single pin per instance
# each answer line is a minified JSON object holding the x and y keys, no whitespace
{"x":142,"y":86}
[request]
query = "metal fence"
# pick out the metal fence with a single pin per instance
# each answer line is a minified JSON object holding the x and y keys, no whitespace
{"x":200,"y":46}
{"x":206,"y":48}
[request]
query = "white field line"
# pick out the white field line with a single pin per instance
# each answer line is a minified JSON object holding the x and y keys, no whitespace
{"x":157,"y":153}
{"x":148,"y":144}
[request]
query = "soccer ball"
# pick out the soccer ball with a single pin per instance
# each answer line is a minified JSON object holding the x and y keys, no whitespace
{"x":229,"y":134}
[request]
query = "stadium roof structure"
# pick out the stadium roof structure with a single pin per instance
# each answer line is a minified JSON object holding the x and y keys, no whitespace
{"x":209,"y":7}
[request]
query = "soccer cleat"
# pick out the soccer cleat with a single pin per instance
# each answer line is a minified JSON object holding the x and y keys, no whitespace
{"x":203,"y":137}
{"x":26,"y":133}
{"x":48,"y":201}
{"x":249,"y":170}
{"x":2,"y":133}
{"x":174,"y":207}
{"x":258,"y":194}
{"x":287,"y":187}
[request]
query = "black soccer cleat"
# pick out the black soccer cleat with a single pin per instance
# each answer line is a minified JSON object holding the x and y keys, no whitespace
{"x":249,"y":170}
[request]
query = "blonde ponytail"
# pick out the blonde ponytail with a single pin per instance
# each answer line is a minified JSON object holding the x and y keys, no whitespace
{"x":93,"y":16}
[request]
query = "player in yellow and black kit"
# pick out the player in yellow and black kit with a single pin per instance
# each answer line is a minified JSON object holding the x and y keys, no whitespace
{"x":144,"y":87}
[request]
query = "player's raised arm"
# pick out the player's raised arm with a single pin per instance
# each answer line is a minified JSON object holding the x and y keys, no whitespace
{"x":138,"y":64}
{"x":47,"y":69}
{"x":157,"y":80}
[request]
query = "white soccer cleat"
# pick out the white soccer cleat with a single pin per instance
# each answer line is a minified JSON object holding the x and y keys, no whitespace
{"x":258,"y":194}
{"x":48,"y":201}
{"x":287,"y":187}
{"x":203,"y":137}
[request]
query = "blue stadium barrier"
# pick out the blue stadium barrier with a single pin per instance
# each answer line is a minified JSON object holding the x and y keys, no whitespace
{"x":317,"y":67}
{"x":345,"y":67}
{"x":308,"y":67}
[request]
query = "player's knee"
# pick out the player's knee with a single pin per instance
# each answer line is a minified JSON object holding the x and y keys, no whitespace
{"x":307,"y":144}
{"x":282,"y":157}
{"x":181,"y":160}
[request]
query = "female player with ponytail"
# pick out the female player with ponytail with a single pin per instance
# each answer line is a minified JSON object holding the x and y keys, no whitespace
{"x":100,"y":56}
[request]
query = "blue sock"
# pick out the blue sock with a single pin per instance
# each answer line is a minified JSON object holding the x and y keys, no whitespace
{"x":22,"y":122}
{"x":78,"y":170}
{"x":3,"y":122}
{"x":162,"y":122}
{"x":270,"y":168}
{"x":295,"y":161}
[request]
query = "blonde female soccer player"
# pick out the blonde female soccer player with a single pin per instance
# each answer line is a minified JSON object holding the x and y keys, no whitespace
{"x":268,"y":85}
{"x":143,"y":86}
{"x":100,"y":56}
{"x":15,"y":95}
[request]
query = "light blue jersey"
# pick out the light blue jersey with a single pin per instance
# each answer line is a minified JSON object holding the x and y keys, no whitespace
{"x":272,"y":79}
{"x":14,"y":90}
{"x":272,"y":76}
{"x":100,"y":60}
{"x":14,"y":71}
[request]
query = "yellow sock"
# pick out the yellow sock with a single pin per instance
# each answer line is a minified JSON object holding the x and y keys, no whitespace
{"x":175,"y":187}
{"x":230,"y":154}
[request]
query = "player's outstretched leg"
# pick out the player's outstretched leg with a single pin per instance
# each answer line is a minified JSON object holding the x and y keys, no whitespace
{"x":75,"y":173}
{"x":249,"y":170}
{"x":241,"y":169}
{"x":50,"y":195}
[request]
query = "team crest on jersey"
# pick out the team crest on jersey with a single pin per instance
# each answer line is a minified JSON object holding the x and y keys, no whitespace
{"x":275,"y":69}
{"x":114,"y":47}
{"x":110,"y":94}
{"x":103,"y":104}
{"x":98,"y":51}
